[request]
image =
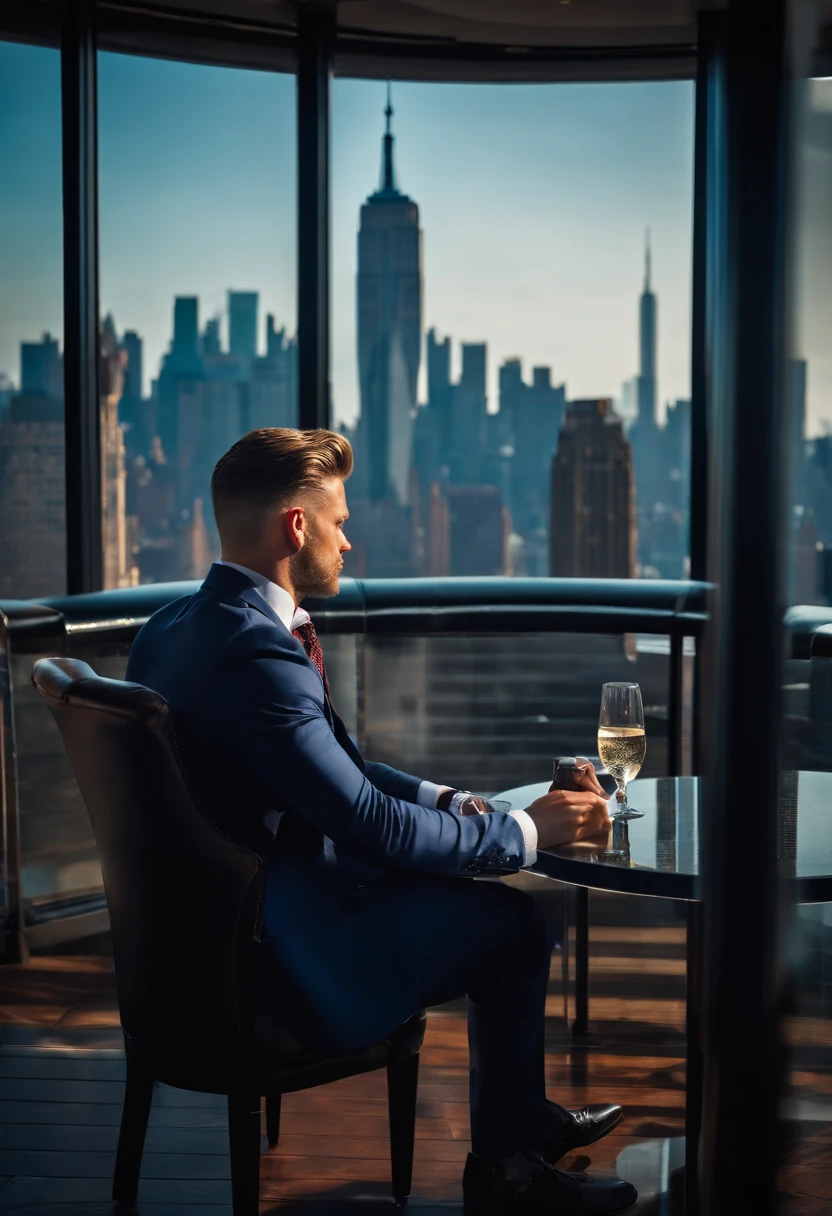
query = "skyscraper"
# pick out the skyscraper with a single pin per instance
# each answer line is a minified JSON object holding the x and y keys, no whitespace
{"x":389,"y":304}
{"x":645,"y":436}
{"x":32,"y":479}
{"x":119,"y":570}
{"x":211,"y":345}
{"x":469,"y":406}
{"x":42,"y":368}
{"x":242,"y":324}
{"x":478,"y":531}
{"x":796,"y":372}
{"x":535,"y":414}
{"x":592,"y":532}
{"x":647,"y":346}
{"x":134,"y":370}
{"x":32,"y":497}
{"x":184,"y":351}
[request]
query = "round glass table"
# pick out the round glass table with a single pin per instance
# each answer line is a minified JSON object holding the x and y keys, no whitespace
{"x":659,"y":854}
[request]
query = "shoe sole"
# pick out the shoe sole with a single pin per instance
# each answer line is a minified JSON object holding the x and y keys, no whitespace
{"x":499,"y":1205}
{"x":570,"y":1147}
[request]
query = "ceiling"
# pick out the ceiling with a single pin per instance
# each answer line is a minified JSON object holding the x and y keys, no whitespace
{"x":422,"y":39}
{"x":535,"y":23}
{"x":538,"y":23}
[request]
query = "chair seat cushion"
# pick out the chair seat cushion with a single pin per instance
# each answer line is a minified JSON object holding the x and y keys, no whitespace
{"x":290,"y":1067}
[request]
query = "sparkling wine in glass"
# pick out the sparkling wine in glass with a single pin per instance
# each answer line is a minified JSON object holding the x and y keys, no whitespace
{"x":621,"y":740}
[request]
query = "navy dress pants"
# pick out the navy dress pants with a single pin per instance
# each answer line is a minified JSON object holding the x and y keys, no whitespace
{"x":421,"y":940}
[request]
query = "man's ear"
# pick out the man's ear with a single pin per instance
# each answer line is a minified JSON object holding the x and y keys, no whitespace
{"x":295,"y":522}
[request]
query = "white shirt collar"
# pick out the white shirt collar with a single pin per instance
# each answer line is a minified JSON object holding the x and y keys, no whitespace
{"x":279,"y":600}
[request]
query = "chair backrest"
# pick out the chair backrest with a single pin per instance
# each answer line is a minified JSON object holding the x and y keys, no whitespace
{"x":183,"y":900}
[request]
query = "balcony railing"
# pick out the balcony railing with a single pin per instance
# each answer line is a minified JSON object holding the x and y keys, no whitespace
{"x":473,"y":682}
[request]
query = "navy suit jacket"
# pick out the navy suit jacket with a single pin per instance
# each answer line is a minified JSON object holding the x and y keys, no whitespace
{"x":274,"y":767}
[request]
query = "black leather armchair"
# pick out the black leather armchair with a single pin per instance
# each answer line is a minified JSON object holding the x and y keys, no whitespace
{"x":184,"y":911}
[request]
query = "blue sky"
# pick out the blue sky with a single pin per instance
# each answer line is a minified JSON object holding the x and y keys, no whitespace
{"x":533,"y":201}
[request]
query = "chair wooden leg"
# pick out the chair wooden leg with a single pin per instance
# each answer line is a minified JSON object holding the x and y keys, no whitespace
{"x":402,"y":1083}
{"x":244,"y":1143}
{"x":138,"y":1096}
{"x":273,"y":1118}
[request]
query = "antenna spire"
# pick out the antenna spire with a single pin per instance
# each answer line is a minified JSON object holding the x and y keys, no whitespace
{"x":388,"y":172}
{"x":647,"y":266}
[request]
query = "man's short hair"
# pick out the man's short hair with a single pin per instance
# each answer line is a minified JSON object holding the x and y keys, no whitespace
{"x":268,"y":468}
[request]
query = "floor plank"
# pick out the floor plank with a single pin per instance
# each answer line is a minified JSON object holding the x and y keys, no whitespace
{"x":61,"y":1087}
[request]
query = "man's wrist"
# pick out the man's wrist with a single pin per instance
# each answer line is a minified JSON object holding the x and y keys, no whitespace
{"x":443,"y":798}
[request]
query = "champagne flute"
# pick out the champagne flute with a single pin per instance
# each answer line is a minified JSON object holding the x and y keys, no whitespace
{"x":621,"y":741}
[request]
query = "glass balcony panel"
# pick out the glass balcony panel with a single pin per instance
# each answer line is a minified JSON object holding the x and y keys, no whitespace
{"x":32,"y":456}
{"x":197,"y":194}
{"x":59,"y":861}
{"x":490,"y":712}
{"x":509,"y":359}
{"x":479,"y":711}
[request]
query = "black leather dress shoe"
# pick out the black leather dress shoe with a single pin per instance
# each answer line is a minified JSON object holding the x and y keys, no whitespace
{"x":582,"y":1127}
{"x":526,"y":1185}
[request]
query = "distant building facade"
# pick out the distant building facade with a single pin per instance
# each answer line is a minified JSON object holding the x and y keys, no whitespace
{"x":242,"y":324}
{"x":479,"y":526}
{"x":32,"y":497}
{"x":389,"y":328}
{"x":33,"y":474}
{"x":592,"y":532}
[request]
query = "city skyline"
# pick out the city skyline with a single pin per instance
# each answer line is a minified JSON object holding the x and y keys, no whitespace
{"x":181,"y":213}
{"x":158,"y":166}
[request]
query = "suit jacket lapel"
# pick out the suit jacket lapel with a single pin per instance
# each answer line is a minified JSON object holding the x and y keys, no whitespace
{"x":233,"y":582}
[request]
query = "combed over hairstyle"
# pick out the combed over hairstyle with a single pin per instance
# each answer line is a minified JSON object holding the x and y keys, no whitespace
{"x":268,"y":468}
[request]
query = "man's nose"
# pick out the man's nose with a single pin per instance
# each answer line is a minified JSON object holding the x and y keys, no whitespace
{"x":345,"y":545}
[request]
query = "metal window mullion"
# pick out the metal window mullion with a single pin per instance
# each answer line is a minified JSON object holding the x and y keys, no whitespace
{"x":742,"y":979}
{"x":84,"y":547}
{"x":709,"y":28}
{"x":316,"y":39}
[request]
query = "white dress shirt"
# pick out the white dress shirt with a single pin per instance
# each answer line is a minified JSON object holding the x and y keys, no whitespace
{"x":282,"y":604}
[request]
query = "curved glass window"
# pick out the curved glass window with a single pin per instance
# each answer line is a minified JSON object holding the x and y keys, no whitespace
{"x":511,"y":326}
{"x":197,"y":188}
{"x":32,"y":455}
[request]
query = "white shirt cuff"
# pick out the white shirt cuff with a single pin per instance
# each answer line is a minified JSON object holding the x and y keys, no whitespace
{"x":529,"y":835}
{"x":428,"y":793}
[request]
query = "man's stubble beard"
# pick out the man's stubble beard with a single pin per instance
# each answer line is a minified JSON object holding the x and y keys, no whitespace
{"x":311,"y":575}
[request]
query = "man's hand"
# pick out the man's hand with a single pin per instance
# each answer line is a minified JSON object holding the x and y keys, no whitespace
{"x":562,"y":816}
{"x":586,"y":780}
{"x":583,"y":778}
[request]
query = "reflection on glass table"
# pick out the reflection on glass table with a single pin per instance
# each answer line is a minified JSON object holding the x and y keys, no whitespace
{"x":659,"y":854}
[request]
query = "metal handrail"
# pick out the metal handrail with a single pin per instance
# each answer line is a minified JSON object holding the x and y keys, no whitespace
{"x":372,"y":607}
{"x":420,"y":605}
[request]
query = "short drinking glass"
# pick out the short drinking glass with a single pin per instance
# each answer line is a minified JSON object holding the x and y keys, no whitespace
{"x":621,"y":741}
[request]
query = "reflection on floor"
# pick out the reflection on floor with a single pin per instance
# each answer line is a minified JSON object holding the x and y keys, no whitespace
{"x":61,"y":1085}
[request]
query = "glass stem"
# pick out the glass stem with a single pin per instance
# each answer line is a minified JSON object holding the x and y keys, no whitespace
{"x":621,"y":794}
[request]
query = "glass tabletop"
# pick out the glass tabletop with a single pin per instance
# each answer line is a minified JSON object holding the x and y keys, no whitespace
{"x":659,"y":854}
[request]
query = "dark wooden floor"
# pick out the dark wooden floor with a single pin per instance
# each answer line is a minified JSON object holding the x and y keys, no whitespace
{"x":61,"y":1084}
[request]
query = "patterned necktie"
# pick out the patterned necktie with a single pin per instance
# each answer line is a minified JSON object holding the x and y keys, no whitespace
{"x":308,"y":637}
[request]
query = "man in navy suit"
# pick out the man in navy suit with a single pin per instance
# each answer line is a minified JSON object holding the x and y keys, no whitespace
{"x":369,"y":912}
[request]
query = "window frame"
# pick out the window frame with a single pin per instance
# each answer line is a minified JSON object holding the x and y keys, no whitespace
{"x":316,"y":49}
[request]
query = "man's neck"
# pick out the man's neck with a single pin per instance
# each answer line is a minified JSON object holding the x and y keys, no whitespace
{"x":275,"y":573}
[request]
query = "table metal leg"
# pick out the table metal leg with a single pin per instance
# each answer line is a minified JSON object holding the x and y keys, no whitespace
{"x":693,"y":1071}
{"x":580,"y":1026}
{"x":564,"y":957}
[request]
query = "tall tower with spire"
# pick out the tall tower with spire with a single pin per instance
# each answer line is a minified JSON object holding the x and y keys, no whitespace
{"x":389,"y":302}
{"x":647,"y":346}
